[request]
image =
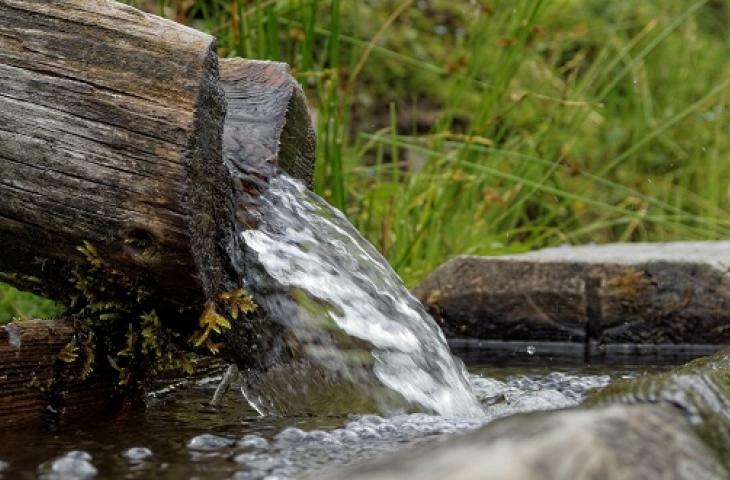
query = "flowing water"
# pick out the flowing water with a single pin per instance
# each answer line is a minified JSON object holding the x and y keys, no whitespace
{"x":336,"y":339}
{"x":180,"y":435}
{"x":361,"y":341}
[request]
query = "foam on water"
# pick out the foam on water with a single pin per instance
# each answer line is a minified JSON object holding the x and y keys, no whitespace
{"x":311,"y":271}
{"x":294,"y":451}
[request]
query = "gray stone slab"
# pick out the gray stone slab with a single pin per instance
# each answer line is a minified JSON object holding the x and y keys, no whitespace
{"x":668,"y":425}
{"x":608,"y":443}
{"x":673,"y":293}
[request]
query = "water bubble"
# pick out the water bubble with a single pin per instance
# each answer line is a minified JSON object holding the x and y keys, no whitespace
{"x":320,"y":437}
{"x":345,"y":435}
{"x":531,"y":350}
{"x":244,"y":458}
{"x":372,"y":419}
{"x":74,"y":465}
{"x":291,"y":435}
{"x":208,"y":442}
{"x":253,"y":441}
{"x":137,"y":454}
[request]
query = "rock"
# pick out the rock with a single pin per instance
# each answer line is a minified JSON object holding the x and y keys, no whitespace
{"x":607,"y":443}
{"x":672,"y":425}
{"x":674,"y":293}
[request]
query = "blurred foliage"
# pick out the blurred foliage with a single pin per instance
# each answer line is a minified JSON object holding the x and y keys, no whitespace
{"x":485,"y":127}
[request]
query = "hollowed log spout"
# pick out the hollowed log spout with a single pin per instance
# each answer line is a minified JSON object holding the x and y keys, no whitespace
{"x":115,"y":129}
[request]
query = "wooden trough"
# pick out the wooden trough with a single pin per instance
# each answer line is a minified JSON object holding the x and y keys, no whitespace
{"x":119,"y":136}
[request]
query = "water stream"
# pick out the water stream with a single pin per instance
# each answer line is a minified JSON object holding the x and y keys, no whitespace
{"x":360,"y":340}
{"x":343,"y":364}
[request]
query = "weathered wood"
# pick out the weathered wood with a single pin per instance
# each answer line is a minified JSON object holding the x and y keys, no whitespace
{"x":118,"y":165}
{"x":267,"y":121}
{"x":39,"y":387}
{"x":632,"y":293}
{"x":110,"y":133}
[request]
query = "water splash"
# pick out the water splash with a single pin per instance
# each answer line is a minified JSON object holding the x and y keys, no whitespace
{"x":347,"y":317}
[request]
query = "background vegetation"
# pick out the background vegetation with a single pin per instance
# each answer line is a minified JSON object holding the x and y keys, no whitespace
{"x":498,"y":126}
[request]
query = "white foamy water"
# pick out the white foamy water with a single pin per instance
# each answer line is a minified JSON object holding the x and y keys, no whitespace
{"x":314,"y":273}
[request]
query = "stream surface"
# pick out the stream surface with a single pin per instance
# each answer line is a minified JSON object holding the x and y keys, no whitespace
{"x":179,"y":436}
{"x":335,"y":333}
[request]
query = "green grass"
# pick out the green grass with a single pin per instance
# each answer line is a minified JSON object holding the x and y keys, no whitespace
{"x":489,"y":127}
{"x":23,"y":305}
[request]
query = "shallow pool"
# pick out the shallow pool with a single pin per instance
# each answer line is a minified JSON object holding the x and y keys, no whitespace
{"x":179,"y":435}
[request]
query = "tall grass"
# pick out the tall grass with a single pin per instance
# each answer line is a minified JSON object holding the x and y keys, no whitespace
{"x":449,"y":127}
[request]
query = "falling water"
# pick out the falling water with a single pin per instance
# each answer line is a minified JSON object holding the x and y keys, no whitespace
{"x":353,"y":333}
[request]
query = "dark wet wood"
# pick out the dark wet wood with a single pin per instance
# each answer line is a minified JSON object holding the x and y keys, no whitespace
{"x":36,"y":385}
{"x":673,"y":299}
{"x":39,"y":387}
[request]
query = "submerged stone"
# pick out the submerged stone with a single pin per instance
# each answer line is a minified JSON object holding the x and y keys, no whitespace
{"x":617,"y":442}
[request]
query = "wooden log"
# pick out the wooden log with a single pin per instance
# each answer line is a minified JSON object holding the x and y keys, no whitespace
{"x":40,"y":385}
{"x":112,"y":149}
{"x":117,"y":165}
{"x":37,"y":385}
{"x":675,"y":293}
{"x":110,"y":133}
